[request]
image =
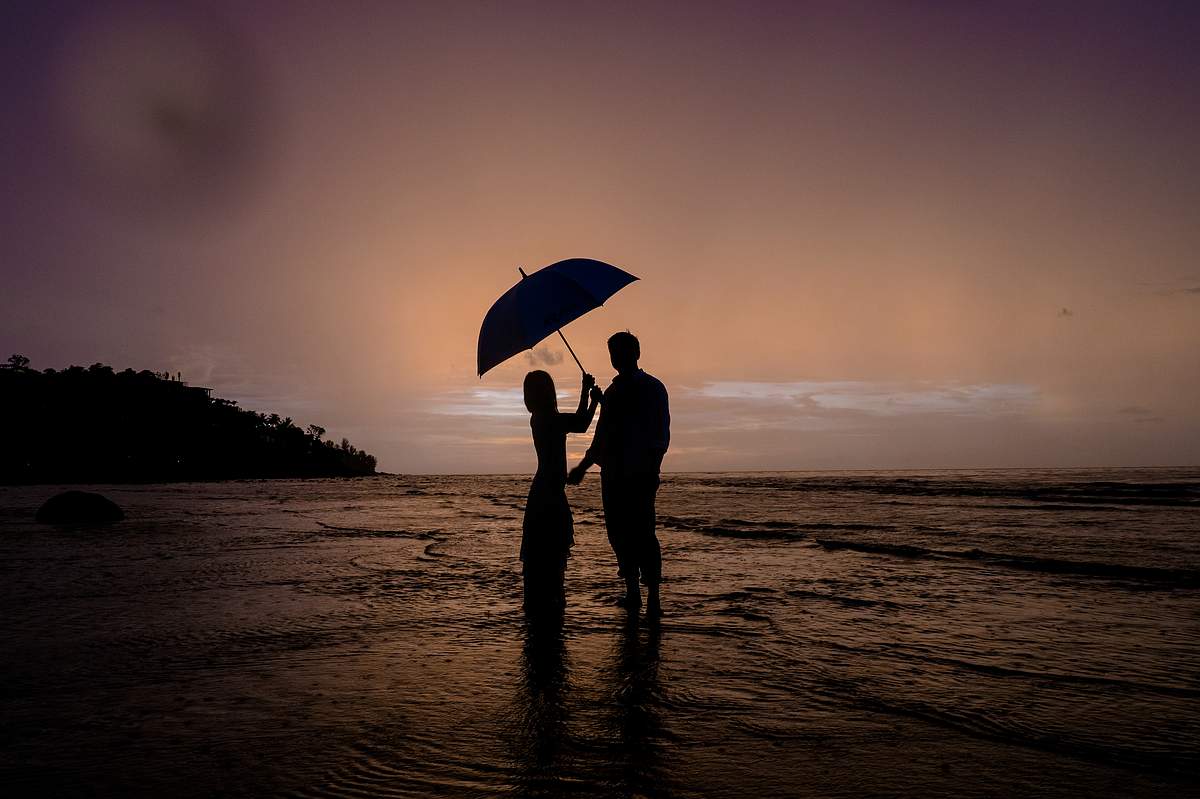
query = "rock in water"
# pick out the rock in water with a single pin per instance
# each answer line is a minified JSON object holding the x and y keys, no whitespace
{"x":79,"y":506}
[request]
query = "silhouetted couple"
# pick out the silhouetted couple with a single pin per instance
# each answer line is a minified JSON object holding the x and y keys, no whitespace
{"x":631,"y":439}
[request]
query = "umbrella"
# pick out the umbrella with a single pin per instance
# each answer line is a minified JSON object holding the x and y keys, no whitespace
{"x":542,"y":303}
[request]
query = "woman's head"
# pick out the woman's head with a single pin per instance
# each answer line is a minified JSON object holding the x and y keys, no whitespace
{"x":539,"y":392}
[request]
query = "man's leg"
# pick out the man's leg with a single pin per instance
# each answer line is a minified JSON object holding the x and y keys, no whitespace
{"x":615,"y":494}
{"x":649,"y":551}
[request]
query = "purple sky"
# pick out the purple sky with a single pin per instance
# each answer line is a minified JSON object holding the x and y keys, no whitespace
{"x":870,"y":235}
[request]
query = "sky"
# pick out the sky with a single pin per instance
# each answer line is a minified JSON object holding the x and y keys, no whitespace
{"x":869,"y":235}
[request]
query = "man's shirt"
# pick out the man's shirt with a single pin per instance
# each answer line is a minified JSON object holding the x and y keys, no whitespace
{"x":635,"y":425}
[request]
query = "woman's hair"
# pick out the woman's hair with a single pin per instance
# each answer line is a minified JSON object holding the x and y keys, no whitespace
{"x":539,"y":392}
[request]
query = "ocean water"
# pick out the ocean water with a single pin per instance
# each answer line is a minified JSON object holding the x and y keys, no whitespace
{"x":959,"y":633}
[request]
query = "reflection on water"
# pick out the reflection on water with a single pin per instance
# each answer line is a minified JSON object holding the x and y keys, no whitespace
{"x":548,"y":750}
{"x":542,"y":732}
{"x":636,"y":702}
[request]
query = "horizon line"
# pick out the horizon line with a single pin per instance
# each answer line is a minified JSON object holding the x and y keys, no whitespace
{"x":813,"y":469}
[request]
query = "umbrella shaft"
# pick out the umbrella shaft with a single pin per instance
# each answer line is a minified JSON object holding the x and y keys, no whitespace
{"x":573,"y":355}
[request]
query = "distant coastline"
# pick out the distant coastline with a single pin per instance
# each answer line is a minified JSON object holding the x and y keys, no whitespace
{"x":97,"y":425}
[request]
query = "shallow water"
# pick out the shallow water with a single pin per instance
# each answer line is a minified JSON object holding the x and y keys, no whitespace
{"x":826,"y":634}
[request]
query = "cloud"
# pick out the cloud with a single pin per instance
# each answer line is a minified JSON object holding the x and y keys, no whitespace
{"x":482,"y":402}
{"x":1140,"y":413}
{"x":857,"y":424}
{"x":822,"y":398}
{"x":543,"y":356}
{"x":1169,"y":288}
{"x":487,"y":403}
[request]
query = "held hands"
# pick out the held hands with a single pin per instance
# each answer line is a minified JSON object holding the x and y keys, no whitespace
{"x":589,"y":382}
{"x":575,"y":476}
{"x":597,"y":394}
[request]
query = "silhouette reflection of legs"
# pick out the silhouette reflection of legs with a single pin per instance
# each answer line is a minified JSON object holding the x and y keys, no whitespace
{"x":637,"y":698}
{"x":543,"y":588}
{"x":541,"y":705}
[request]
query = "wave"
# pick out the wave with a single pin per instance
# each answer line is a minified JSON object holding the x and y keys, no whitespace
{"x":851,"y":601}
{"x":764,"y":530}
{"x":1079,"y":679}
{"x":335,"y":530}
{"x":1004,"y":728}
{"x":1043,"y":494}
{"x":1171,"y":577}
{"x":903,"y":550}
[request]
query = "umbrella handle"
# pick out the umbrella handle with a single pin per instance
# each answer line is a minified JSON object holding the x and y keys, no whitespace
{"x":573,"y":355}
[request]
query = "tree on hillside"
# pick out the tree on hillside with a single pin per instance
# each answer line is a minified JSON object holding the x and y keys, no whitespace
{"x":97,"y":425}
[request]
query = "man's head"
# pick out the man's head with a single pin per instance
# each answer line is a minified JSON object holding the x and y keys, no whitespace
{"x":624,"y":351}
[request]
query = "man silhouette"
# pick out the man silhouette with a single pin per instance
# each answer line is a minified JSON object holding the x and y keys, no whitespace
{"x":631,"y":439}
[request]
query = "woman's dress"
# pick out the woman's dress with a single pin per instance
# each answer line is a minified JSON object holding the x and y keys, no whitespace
{"x":548,"y":531}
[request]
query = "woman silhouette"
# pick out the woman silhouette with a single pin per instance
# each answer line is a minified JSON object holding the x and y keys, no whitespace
{"x":548,"y":529}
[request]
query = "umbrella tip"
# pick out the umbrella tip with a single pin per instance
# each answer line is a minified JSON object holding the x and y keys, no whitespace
{"x":522,"y":271}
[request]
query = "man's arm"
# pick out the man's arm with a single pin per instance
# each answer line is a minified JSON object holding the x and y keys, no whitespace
{"x":663,"y":438}
{"x":575,"y":476}
{"x":660,"y":439}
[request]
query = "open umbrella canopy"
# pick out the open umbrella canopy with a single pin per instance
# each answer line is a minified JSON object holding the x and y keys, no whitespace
{"x":542,"y":303}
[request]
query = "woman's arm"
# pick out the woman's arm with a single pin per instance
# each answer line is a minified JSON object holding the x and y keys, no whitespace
{"x":579,"y":421}
{"x":596,"y":450}
{"x":584,"y":389}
